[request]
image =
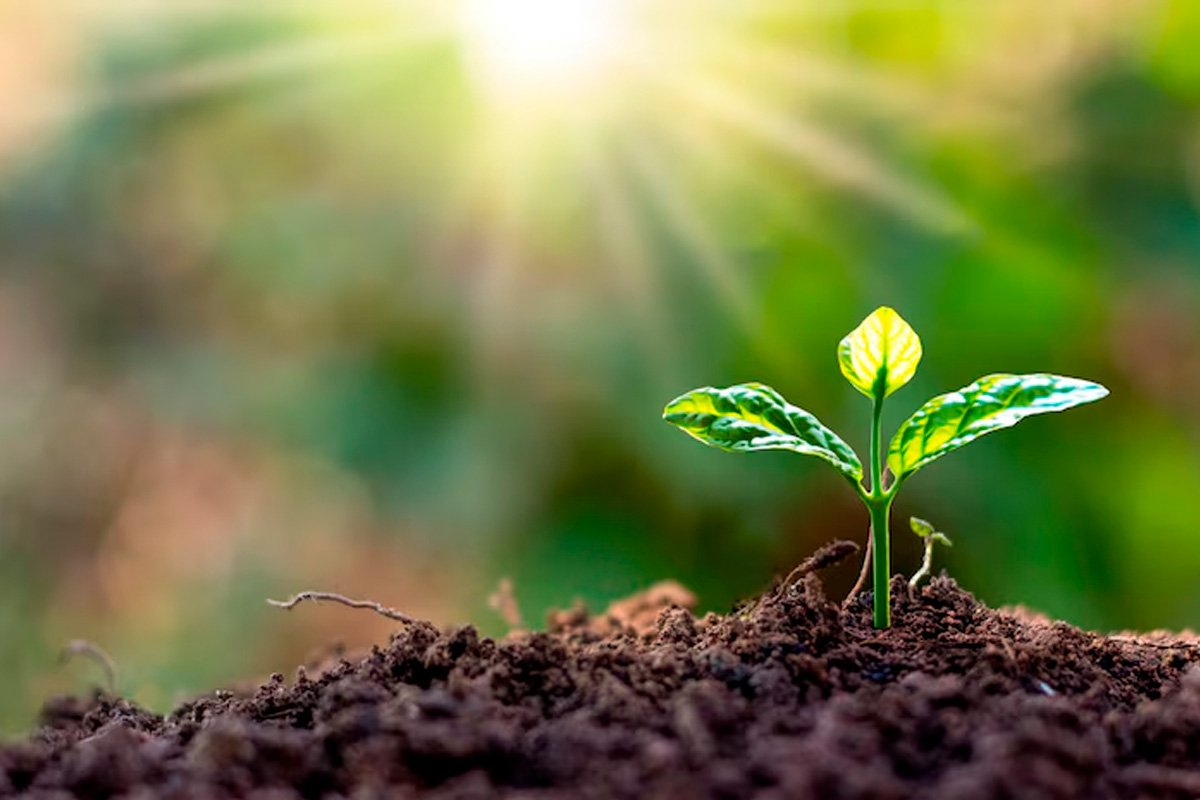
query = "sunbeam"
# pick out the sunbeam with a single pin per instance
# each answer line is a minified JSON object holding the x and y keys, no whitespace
{"x":547,"y":87}
{"x":819,"y":151}
{"x":628,"y":253}
{"x":663,"y":190}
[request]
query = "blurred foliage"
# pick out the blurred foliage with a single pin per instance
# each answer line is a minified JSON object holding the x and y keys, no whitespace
{"x":287,"y":301}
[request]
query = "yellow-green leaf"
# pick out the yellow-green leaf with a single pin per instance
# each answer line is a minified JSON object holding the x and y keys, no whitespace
{"x":751,"y":416}
{"x":921,"y":527}
{"x":925,"y":530}
{"x":881,"y":354}
{"x":949,"y":421}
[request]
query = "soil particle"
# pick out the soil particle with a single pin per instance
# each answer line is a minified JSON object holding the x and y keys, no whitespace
{"x":788,"y":697}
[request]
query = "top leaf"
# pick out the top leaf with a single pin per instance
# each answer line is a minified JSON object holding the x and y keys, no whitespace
{"x":751,"y":416}
{"x":925,"y":530}
{"x":949,"y":421}
{"x":921,"y":527}
{"x":881,"y":354}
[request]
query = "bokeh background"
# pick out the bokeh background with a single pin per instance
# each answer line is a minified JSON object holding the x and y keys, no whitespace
{"x":385,"y":297}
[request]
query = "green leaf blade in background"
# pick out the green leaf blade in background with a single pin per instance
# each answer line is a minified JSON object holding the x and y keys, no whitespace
{"x":949,"y":421}
{"x":881,"y":354}
{"x":750,"y":417}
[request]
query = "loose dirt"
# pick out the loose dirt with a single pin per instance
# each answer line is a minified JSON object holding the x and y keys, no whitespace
{"x":790,"y":696}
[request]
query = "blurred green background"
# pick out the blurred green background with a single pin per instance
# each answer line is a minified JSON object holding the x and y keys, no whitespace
{"x":386,"y":298}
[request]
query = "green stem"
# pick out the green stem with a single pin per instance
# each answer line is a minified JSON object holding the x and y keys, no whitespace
{"x":880,"y":504}
{"x":881,"y":562}
{"x":876,"y":445}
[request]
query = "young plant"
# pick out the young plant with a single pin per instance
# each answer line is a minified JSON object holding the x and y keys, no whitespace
{"x":878,"y":357}
{"x":926,"y":531}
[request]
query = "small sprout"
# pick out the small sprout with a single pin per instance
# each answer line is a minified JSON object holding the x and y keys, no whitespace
{"x":926,"y":531}
{"x":877,"y":358}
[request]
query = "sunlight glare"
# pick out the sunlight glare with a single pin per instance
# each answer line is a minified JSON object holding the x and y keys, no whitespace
{"x":525,"y":46}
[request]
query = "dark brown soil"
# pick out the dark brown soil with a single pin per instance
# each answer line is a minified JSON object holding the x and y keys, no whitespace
{"x":790,"y":697}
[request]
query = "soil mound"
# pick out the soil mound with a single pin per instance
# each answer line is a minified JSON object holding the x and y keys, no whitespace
{"x":788,"y":697}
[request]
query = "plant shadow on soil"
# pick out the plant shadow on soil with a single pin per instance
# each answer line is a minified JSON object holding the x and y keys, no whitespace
{"x":790,"y":696}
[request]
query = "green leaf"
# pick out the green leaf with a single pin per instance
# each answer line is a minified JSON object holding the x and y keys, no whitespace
{"x":925,"y":530}
{"x":881,"y":354}
{"x":920,"y":527}
{"x":751,"y":416}
{"x":949,"y":421}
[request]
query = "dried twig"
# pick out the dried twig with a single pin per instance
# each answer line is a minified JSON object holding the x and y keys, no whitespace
{"x":333,"y":597}
{"x":91,"y":651}
{"x":504,"y":602}
{"x":824,"y":558}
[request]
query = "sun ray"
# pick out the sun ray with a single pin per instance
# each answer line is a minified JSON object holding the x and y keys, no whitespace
{"x":628,"y":255}
{"x":706,"y":253}
{"x":270,"y":62}
{"x":732,"y":291}
{"x":485,"y":212}
{"x":677,"y":82}
{"x":807,"y":73}
{"x":265,"y":63}
{"x":820,"y":152}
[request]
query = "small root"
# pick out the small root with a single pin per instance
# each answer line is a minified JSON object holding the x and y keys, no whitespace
{"x":93,"y":652}
{"x":825,"y":557}
{"x":504,"y":602}
{"x":863,"y":573}
{"x":341,"y":599}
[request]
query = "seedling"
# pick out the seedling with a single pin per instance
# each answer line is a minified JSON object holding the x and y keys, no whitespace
{"x":926,"y":531}
{"x":878,"y":357}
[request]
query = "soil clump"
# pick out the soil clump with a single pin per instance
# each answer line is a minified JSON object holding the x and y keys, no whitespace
{"x":789,"y":696}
